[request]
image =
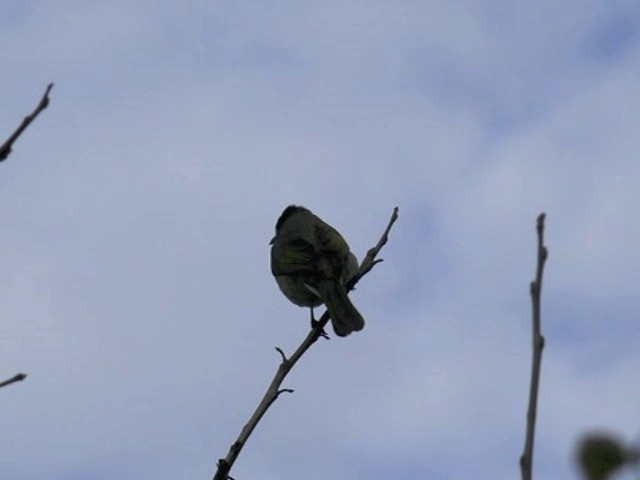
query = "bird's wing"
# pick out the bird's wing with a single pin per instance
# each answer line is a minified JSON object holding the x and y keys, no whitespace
{"x":331,"y":241}
{"x":293,"y":256}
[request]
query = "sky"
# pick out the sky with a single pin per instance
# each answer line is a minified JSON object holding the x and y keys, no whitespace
{"x":136,"y":291}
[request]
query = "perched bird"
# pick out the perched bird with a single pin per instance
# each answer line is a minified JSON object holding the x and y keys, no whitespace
{"x":312,"y":263}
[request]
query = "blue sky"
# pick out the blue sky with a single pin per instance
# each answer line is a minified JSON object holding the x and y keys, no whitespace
{"x":138,"y":208}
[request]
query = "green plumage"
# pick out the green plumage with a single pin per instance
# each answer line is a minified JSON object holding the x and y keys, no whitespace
{"x":312,"y":263}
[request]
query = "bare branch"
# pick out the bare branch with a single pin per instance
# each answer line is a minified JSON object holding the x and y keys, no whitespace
{"x":369,"y":260}
{"x":5,"y":149}
{"x":18,"y":377}
{"x":526,"y":460}
{"x":274,"y":390}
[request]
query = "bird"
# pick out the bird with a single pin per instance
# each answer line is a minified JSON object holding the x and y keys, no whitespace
{"x":312,"y":263}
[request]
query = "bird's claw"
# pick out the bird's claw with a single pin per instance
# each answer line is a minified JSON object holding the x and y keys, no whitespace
{"x":315,"y":325}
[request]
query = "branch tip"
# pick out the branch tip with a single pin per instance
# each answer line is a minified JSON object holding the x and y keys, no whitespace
{"x":7,"y":147}
{"x":18,"y":377}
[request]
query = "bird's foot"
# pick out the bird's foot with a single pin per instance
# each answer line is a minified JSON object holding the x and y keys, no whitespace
{"x":315,"y":325}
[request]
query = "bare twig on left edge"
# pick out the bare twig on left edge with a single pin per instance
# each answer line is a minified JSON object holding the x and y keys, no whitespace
{"x":526,"y":460}
{"x":18,"y":377}
{"x":5,"y":149}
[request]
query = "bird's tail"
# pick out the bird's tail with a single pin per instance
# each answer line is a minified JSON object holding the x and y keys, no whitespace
{"x":344,"y":315}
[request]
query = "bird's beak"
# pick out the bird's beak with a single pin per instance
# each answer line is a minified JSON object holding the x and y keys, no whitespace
{"x":272,"y":240}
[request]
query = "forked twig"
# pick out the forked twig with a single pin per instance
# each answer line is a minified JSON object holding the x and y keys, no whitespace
{"x":526,"y":459}
{"x":274,"y":390}
{"x":5,"y":149}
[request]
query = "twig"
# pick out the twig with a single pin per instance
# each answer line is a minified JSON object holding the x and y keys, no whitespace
{"x":6,"y":147}
{"x":274,"y":390}
{"x":526,"y":460}
{"x":369,"y":260}
{"x":18,"y":377}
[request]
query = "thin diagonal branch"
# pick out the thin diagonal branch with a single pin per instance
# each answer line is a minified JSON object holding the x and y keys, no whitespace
{"x":526,"y":460}
{"x":274,"y":390}
{"x":369,"y":261}
{"x":5,"y":149}
{"x":18,"y":377}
